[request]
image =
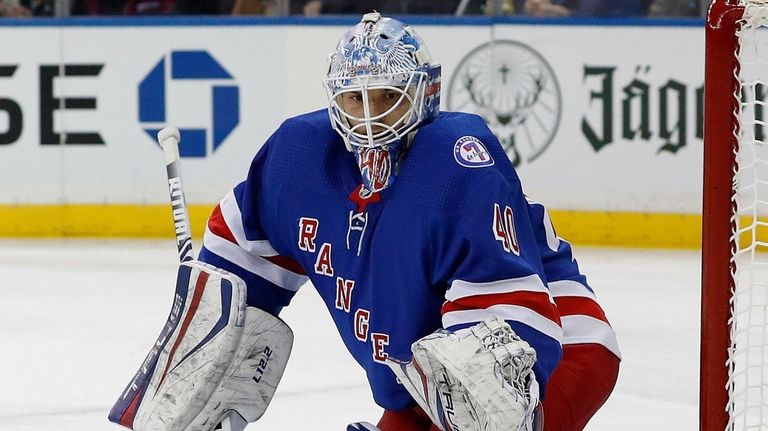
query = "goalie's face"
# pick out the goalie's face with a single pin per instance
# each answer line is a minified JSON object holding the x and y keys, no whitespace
{"x":375,"y":113}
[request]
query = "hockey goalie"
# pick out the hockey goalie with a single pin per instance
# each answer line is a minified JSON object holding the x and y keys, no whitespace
{"x":448,"y":285}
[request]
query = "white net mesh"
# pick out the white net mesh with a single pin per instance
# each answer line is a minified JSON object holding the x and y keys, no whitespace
{"x":748,"y":384}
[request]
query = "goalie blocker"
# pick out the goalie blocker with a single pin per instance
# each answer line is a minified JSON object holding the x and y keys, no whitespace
{"x":213,"y":356}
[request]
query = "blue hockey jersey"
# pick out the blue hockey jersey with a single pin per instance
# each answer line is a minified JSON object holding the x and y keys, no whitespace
{"x":451,"y":242}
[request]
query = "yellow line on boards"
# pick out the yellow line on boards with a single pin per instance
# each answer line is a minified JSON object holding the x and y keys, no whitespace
{"x":623,"y":229}
{"x":133,"y":221}
{"x":627,"y":229}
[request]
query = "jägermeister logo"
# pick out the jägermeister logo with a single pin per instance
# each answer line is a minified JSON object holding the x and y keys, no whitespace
{"x":637,"y":105}
{"x":515,"y":90}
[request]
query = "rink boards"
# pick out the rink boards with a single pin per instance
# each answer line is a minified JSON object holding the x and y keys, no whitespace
{"x":602,"y":118}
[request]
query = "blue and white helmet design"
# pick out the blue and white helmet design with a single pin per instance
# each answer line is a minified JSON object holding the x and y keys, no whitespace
{"x":381,"y":53}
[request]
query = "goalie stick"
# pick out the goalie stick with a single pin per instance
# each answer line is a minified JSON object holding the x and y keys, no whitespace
{"x":169,"y":138}
{"x":169,"y":141}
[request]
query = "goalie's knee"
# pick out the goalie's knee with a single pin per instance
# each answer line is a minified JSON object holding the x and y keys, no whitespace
{"x":567,"y":405}
{"x":413,"y":419}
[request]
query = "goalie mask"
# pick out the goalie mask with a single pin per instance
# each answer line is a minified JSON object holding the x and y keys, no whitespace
{"x":381,"y":85}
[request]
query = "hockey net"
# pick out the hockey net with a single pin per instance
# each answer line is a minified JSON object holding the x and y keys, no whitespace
{"x":734,"y":343}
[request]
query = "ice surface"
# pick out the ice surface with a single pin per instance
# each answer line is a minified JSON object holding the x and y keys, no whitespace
{"x":77,"y":318}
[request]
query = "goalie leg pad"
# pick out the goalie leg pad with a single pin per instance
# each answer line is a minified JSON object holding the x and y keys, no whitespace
{"x":362,"y":426}
{"x":211,"y":343}
{"x":249,"y":384}
{"x":478,"y":378}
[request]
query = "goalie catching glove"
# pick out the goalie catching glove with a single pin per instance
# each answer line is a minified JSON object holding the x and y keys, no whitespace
{"x":214,"y":356}
{"x":474,"y":379}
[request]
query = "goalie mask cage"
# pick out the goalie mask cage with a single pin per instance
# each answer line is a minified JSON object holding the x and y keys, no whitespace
{"x":734,"y":308}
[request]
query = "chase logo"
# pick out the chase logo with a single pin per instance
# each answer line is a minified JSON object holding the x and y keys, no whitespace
{"x":471,"y":153}
{"x":184,"y":68}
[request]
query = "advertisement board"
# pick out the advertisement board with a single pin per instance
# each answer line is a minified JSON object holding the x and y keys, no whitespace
{"x":597,"y":119}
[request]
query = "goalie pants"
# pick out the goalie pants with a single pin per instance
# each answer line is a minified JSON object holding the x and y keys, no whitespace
{"x":581,"y":383}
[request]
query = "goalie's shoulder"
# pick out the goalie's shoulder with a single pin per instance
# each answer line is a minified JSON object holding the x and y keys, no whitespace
{"x":461,"y":144}
{"x":311,"y":128}
{"x":303,"y":147}
{"x":457,"y":159}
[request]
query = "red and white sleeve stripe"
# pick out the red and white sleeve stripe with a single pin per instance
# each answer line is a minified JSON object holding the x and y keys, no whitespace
{"x":225,"y":236}
{"x":582,"y":318}
{"x":524,"y":299}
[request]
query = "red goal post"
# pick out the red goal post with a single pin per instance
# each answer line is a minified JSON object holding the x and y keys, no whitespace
{"x":734,"y":301}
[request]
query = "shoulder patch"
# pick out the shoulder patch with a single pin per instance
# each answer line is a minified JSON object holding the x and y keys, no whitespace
{"x":471,"y":153}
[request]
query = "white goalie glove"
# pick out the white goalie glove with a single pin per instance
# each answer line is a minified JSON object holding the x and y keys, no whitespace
{"x":474,"y":379}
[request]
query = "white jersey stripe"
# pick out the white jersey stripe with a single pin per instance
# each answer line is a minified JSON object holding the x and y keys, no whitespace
{"x":570,"y":288}
{"x":255,"y":264}
{"x":230,"y":210}
{"x":507,"y":312}
{"x":580,"y":329}
{"x":553,"y":241}
{"x":462,"y":289}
